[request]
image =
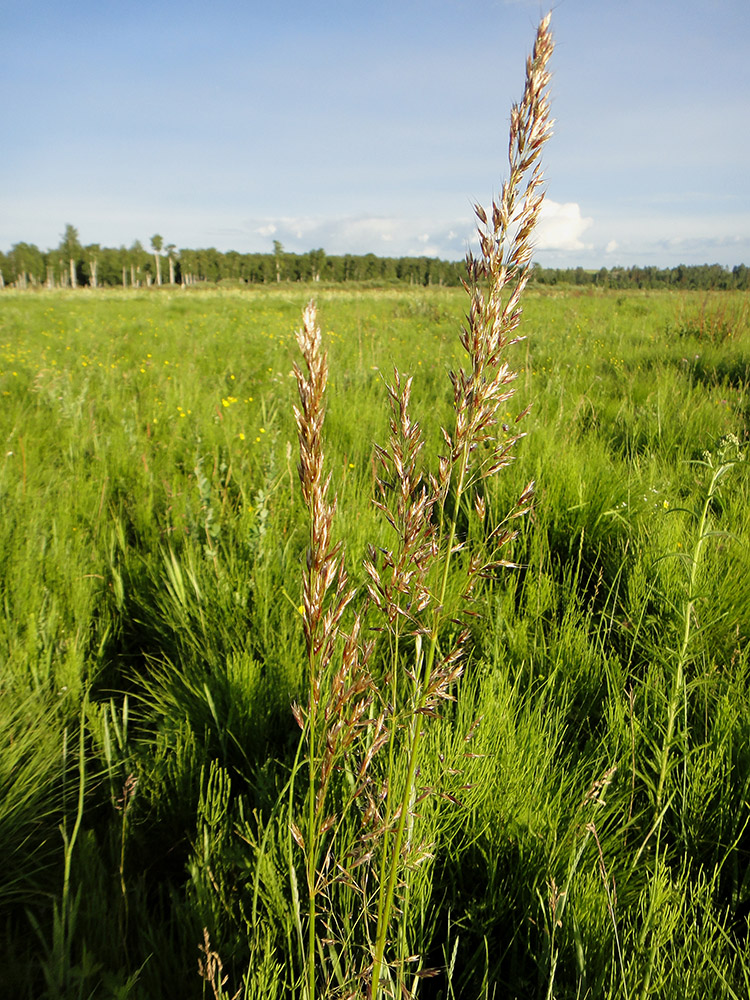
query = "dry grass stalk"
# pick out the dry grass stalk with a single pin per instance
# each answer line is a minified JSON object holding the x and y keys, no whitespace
{"x":349,"y":721}
{"x":211,"y":968}
{"x":324,"y":563}
{"x":495,"y":284}
{"x":337,"y":716}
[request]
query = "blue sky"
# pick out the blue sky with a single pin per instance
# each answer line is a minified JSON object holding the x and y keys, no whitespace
{"x":374,"y":126}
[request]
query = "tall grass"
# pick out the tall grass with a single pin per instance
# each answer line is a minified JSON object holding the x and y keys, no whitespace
{"x":191,"y":646}
{"x":357,"y":714}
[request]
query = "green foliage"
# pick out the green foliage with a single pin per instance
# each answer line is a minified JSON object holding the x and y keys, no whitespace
{"x":150,"y":553}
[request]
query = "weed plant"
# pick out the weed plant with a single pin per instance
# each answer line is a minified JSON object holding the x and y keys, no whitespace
{"x":151,"y":643}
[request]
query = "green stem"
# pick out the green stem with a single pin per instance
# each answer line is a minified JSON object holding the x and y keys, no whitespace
{"x":66,"y":915}
{"x":312,"y":846}
{"x":391,"y":756}
{"x":385,"y":903}
{"x":678,"y":686}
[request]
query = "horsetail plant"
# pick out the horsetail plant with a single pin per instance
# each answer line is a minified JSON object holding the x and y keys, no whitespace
{"x":367,"y":723}
{"x":719,"y":465}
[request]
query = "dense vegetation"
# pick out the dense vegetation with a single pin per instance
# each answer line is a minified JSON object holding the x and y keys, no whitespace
{"x":72,"y":265}
{"x":596,"y":840}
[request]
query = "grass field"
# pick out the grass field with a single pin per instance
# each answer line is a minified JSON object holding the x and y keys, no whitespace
{"x":595,"y":841}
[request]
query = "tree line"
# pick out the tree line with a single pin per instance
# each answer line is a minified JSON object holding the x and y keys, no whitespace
{"x":72,"y":265}
{"x":684,"y":276}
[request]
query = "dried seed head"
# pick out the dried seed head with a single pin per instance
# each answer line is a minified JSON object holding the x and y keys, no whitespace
{"x":497,"y":281}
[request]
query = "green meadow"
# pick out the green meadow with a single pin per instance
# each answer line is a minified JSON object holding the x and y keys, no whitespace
{"x":594,"y":838}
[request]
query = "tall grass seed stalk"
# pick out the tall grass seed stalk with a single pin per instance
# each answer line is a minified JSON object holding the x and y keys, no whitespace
{"x":358,"y":829}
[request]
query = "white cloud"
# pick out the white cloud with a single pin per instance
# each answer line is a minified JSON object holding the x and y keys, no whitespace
{"x":662,"y":237}
{"x":397,"y":235}
{"x":561,"y":229}
{"x":561,"y":226}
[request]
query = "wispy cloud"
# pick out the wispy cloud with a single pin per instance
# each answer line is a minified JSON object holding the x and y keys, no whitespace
{"x":384,"y":235}
{"x":561,"y":228}
{"x":666,"y":238}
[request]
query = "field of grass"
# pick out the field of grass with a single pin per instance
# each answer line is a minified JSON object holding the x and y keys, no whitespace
{"x":595,"y":842}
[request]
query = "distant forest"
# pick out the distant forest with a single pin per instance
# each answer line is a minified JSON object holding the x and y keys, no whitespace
{"x":74,"y":265}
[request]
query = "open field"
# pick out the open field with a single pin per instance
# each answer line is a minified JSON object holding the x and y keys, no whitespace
{"x":151,"y":554}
